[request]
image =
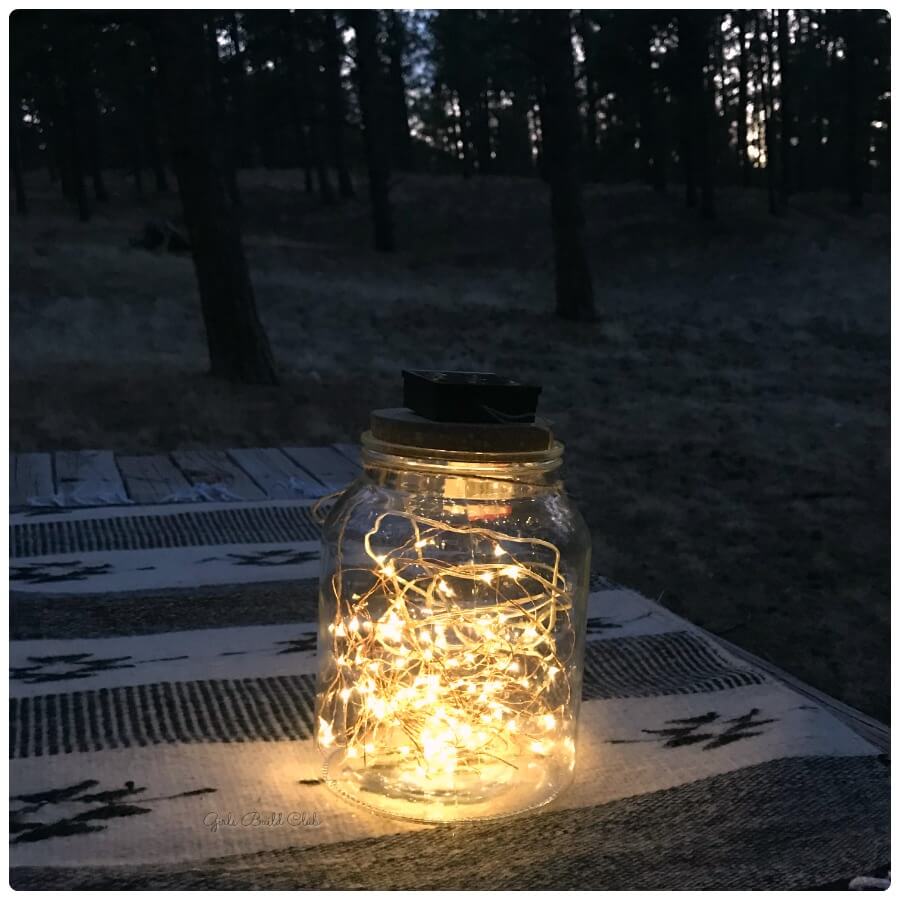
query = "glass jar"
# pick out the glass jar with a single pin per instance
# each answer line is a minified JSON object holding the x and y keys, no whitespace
{"x":451,"y":632}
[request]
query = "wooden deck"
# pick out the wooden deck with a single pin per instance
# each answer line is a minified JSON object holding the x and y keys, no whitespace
{"x":101,"y":477}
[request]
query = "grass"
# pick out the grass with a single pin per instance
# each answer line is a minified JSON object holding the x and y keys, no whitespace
{"x":726,"y":418}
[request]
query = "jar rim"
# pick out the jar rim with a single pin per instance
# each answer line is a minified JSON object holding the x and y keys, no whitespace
{"x":380,"y":452}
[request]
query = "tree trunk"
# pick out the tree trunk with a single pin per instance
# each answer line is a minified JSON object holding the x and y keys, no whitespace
{"x":242,"y":129}
{"x":688,"y":101}
{"x":59,"y":147}
{"x":135,"y":144}
{"x":151,"y":123}
{"x":72,"y":152}
{"x":302,"y":142}
{"x":15,"y":154}
{"x":482,"y":133}
{"x":772,"y":146}
{"x":743,"y":159}
{"x":375,"y":135}
{"x":814,"y":157}
{"x":92,"y":119}
{"x":310,"y":102}
{"x":401,"y":143}
{"x":786,"y":112}
{"x":467,"y":143}
{"x":707,"y":146}
{"x":763,"y":76}
{"x":551,"y":45}
{"x":136,"y":168}
{"x":639,"y":45}
{"x":659,"y":129}
{"x":333,"y":55}
{"x":693,"y":50}
{"x":221,"y":143}
{"x":854,"y":152}
{"x":592,"y":161}
{"x":653,"y":145}
{"x":238,"y":347}
{"x":301,"y":84}
{"x":76,"y":154}
{"x":514,"y":138}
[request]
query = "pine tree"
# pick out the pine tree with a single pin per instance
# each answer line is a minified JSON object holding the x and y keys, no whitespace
{"x":551,"y":44}
{"x":238,"y":346}
{"x":370,"y":81}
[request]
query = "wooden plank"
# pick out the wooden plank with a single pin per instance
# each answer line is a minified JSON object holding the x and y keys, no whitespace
{"x":350,"y":451}
{"x":325,"y":464}
{"x":151,"y":479}
{"x":30,"y":476}
{"x":88,"y":478}
{"x":871,"y":729}
{"x":276,"y":473}
{"x":213,"y":467}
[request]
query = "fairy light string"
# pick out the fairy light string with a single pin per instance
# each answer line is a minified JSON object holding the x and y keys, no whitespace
{"x":443,"y":667}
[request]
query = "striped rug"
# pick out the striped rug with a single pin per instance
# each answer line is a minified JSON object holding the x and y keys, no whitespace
{"x":162,"y":675}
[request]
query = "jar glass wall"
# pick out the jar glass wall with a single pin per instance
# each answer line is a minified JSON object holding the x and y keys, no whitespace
{"x":452,"y":607}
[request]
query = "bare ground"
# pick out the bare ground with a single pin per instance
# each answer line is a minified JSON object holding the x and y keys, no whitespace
{"x":726,"y":418}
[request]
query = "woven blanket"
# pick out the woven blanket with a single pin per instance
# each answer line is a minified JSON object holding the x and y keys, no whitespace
{"x":162,"y":687}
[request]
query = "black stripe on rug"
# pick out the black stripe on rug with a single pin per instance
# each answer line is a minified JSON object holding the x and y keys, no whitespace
{"x":182,"y":712}
{"x":276,"y":709}
{"x":38,"y":616}
{"x":678,"y":662}
{"x":787,"y":824}
{"x":185,"y":528}
{"x":35,"y":617}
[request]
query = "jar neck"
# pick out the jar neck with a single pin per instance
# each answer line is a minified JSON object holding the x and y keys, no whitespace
{"x":458,"y":475}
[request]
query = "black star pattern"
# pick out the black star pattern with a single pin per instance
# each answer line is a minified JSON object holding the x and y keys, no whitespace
{"x":101,"y":806}
{"x":303,"y":644}
{"x":265,"y":558}
{"x":47,"y":573}
{"x":596,"y":624}
{"x":709,"y":729}
{"x":49,"y":509}
{"x":67,"y":667}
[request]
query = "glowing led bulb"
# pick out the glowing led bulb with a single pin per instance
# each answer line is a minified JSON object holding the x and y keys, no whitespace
{"x":326,"y":733}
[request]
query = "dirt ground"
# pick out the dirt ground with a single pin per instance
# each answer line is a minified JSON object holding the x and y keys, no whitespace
{"x":726,"y":418}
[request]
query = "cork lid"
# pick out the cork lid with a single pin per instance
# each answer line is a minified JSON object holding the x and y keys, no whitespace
{"x":406,"y":428}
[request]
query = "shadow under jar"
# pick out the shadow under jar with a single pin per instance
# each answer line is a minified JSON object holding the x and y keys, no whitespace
{"x":451,"y":628}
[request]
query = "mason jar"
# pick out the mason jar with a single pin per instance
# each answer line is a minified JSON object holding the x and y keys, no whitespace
{"x":452,"y":621}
